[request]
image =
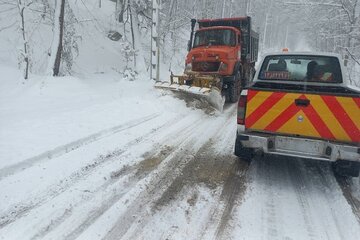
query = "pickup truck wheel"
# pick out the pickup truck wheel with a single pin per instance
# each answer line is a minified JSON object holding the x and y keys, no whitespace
{"x":244,"y":154}
{"x":346,"y":168}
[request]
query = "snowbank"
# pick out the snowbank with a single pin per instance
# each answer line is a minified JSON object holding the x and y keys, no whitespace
{"x":43,"y":113}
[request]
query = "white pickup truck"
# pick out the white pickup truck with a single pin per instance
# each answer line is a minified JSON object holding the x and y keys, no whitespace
{"x":301,"y":105}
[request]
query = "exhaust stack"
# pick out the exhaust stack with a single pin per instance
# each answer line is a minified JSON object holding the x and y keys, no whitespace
{"x":193,"y":23}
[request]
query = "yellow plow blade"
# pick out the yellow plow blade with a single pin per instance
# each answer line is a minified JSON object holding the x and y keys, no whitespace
{"x":201,"y":88}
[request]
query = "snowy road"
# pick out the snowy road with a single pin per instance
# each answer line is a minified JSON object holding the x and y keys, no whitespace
{"x":175,"y":179}
{"x":98,"y":162}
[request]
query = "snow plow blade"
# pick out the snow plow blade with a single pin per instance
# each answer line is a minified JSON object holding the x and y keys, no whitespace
{"x":199,"y":87}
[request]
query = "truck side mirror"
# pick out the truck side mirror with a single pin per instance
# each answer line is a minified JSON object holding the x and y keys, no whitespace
{"x":189,"y":46}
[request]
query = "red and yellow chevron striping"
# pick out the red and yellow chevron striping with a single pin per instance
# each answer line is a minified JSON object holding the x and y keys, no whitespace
{"x":323,"y":116}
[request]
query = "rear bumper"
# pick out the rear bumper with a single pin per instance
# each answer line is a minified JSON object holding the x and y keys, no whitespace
{"x":300,"y":147}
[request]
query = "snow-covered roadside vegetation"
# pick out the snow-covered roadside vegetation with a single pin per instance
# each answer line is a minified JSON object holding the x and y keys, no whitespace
{"x":103,"y":35}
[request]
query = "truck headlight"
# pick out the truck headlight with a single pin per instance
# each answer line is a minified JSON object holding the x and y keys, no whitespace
{"x":188,"y":67}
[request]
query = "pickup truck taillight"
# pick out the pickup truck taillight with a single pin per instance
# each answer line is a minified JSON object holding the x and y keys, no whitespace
{"x":241,"y":110}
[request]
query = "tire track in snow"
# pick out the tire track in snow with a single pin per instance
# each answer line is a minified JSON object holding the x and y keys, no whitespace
{"x":291,"y":198}
{"x":153,"y":188}
{"x":115,"y":178}
{"x":19,"y":210}
{"x":211,"y":168}
{"x":328,"y":182}
{"x":271,"y":213}
{"x":271,"y":220}
{"x":158,"y":186}
{"x":345,"y":186}
{"x":232,"y":195}
{"x":139,"y":172}
{"x":135,"y":174}
{"x":52,"y":225}
{"x":66,"y":148}
{"x":233,"y":189}
{"x":297,"y":179}
{"x":305,"y":198}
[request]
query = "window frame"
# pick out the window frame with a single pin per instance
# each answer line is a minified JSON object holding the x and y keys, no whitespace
{"x":289,"y":56}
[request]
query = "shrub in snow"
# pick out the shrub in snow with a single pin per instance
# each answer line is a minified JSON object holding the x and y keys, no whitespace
{"x":129,"y":54}
{"x":129,"y":74}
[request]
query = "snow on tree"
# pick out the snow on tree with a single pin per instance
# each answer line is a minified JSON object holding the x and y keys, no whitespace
{"x":53,"y":27}
{"x":22,"y":5}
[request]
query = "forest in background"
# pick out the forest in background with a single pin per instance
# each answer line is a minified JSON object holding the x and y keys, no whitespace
{"x":117,"y":32}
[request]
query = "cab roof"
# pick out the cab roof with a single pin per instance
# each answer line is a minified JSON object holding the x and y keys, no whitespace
{"x":218,"y":27}
{"x":223,"y":19}
{"x":330,"y":54}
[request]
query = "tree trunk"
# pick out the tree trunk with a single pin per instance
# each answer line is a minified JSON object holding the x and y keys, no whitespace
{"x":223,"y":9}
{"x":25,"y":53}
{"x":139,"y":61}
{"x":132,"y":31}
{"x":120,"y":10}
{"x":57,"y":45}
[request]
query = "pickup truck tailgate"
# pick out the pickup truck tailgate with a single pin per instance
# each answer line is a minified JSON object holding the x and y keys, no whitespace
{"x":309,"y":115}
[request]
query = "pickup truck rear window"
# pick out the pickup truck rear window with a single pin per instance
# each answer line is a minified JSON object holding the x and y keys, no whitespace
{"x":301,"y":68}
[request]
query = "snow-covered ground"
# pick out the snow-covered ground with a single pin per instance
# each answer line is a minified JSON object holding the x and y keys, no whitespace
{"x":100,"y":157}
{"x":96,"y":156}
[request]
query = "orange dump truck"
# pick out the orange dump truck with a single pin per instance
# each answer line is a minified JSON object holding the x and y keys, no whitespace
{"x":301,"y":105}
{"x":220,"y":62}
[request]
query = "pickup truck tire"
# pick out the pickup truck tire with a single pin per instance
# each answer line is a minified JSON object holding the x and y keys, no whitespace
{"x":346,"y":168}
{"x":234,"y":88}
{"x":244,"y":154}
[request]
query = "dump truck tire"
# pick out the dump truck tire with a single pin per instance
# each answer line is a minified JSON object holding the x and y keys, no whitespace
{"x":345,"y":168}
{"x":244,"y":154}
{"x":234,"y":88}
{"x":232,"y":92}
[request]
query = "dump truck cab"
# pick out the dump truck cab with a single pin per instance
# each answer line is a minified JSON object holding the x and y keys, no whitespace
{"x":301,"y":105}
{"x":215,"y":50}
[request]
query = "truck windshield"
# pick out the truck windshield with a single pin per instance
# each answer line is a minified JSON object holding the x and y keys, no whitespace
{"x":301,"y":68}
{"x":216,"y":37}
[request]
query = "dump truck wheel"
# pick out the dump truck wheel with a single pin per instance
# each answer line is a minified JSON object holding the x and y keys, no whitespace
{"x":244,"y":154}
{"x":234,"y":88}
{"x":346,"y":168}
{"x":232,"y":92}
